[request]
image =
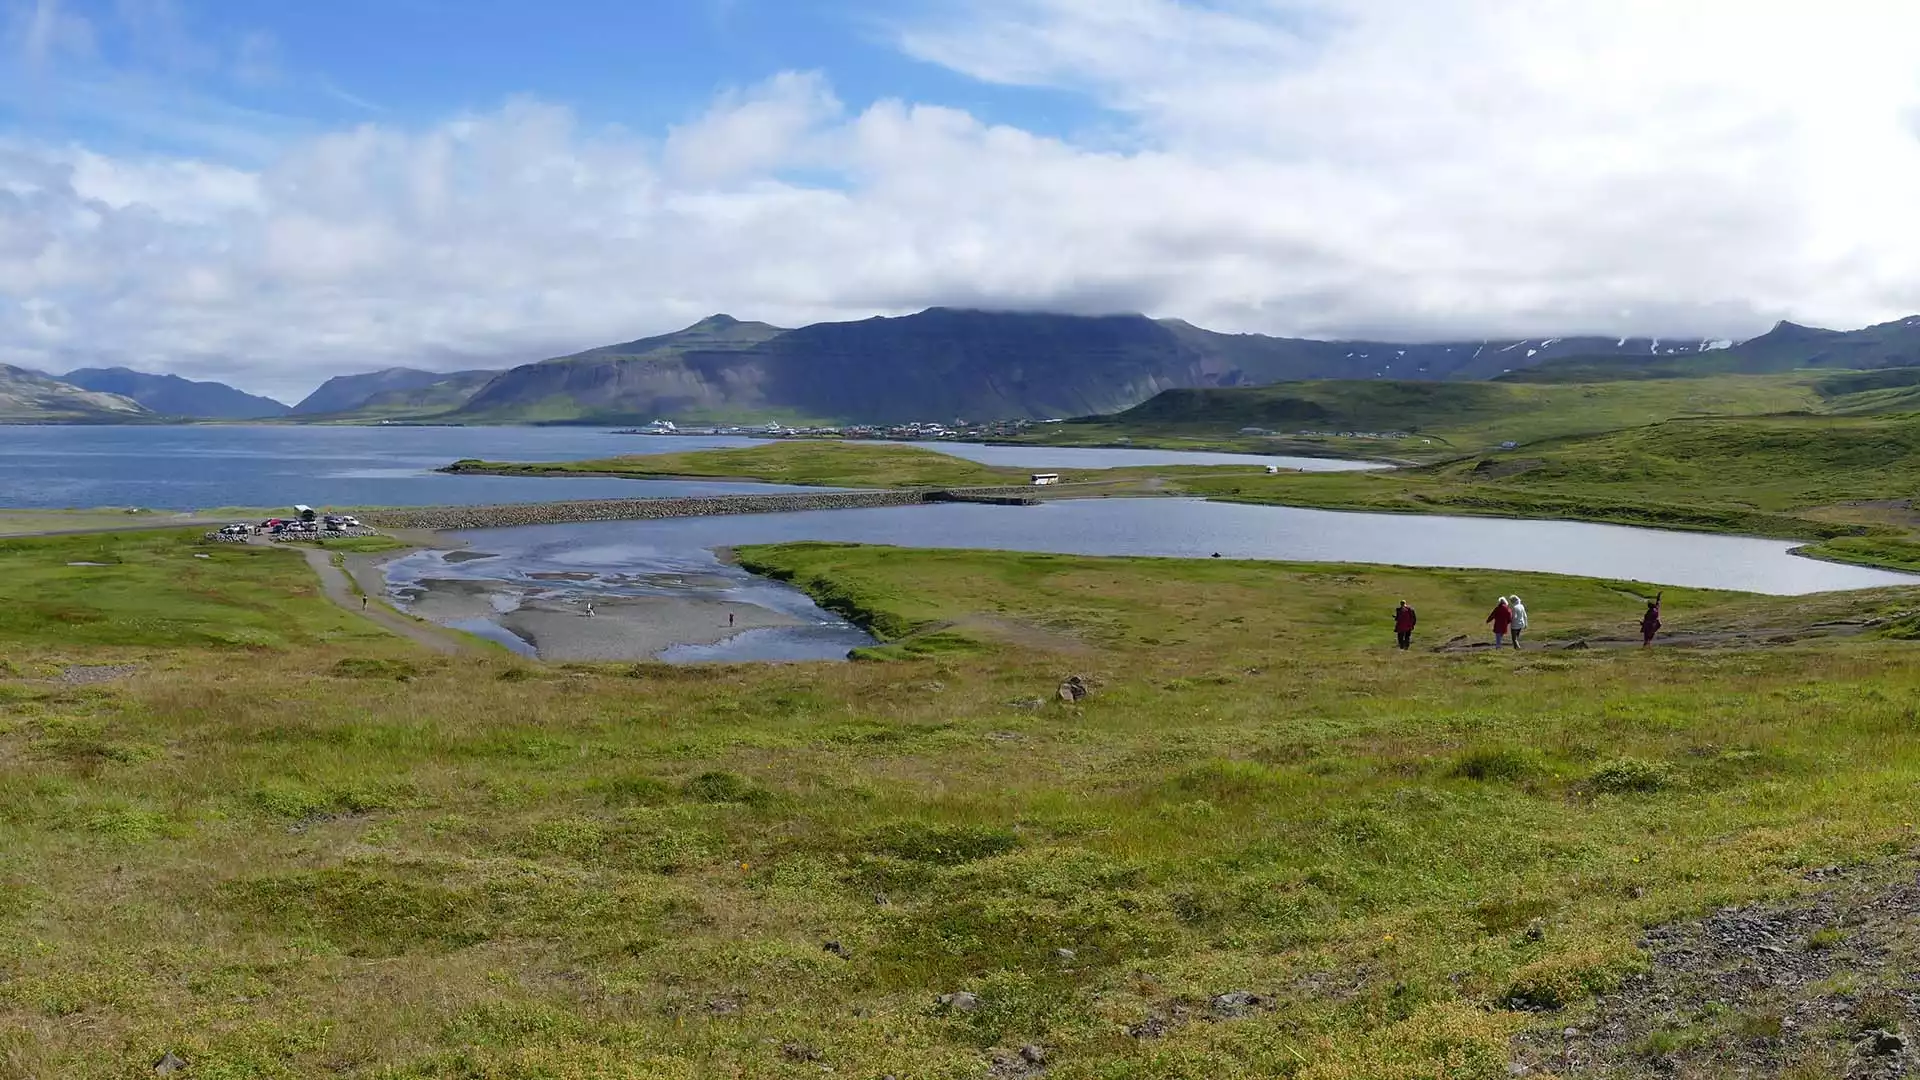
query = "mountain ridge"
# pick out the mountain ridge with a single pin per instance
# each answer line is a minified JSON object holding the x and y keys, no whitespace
{"x":953,"y":363}
{"x":173,"y":396}
{"x":948,"y":363}
{"x":33,"y":397}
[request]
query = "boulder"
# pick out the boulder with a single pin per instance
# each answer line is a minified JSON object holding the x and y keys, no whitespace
{"x":961,"y":1001}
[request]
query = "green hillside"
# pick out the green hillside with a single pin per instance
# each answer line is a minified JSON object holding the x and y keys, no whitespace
{"x":1432,"y":419}
{"x":1802,"y":476}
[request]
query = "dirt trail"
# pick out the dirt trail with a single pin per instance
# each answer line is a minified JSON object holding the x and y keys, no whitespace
{"x":339,"y":589}
{"x":1693,"y":639}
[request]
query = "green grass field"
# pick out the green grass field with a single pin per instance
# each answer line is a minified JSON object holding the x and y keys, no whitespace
{"x":286,"y":846}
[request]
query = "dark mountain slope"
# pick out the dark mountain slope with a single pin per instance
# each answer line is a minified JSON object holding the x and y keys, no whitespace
{"x":347,"y":393}
{"x":944,"y":364}
{"x":171,"y":395}
{"x":450,"y":393}
{"x":707,"y":369}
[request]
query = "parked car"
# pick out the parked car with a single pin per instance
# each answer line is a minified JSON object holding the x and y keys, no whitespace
{"x":236,"y":530}
{"x":273,"y":523}
{"x":350,"y":521}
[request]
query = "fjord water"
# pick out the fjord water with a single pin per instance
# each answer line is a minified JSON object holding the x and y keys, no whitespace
{"x":203,"y":466}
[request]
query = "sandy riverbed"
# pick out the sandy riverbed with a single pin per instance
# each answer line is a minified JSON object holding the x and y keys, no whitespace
{"x":620,"y":628}
{"x":636,"y":627}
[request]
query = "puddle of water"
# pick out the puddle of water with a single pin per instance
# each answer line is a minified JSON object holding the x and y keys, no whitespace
{"x":790,"y":644}
{"x":494,"y":632}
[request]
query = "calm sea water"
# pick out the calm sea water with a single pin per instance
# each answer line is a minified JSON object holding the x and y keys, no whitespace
{"x":200,"y":467}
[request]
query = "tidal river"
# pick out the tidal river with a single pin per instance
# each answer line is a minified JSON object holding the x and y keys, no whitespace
{"x":533,"y":580}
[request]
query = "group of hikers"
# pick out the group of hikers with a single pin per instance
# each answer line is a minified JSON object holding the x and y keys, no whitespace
{"x":1509,"y":621}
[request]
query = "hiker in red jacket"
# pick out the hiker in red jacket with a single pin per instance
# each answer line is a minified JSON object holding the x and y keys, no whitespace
{"x":1502,"y":618}
{"x":1650,"y":622}
{"x":1403,"y":622}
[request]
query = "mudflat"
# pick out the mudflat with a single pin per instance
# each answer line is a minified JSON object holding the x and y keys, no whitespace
{"x":634,"y":628}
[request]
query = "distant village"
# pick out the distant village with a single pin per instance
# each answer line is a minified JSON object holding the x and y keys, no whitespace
{"x":911,"y":432}
{"x":959,"y":430}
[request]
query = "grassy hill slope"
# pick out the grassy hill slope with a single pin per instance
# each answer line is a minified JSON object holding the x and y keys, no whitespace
{"x":1442,"y":418}
{"x":274,"y":844}
{"x":1803,"y":476}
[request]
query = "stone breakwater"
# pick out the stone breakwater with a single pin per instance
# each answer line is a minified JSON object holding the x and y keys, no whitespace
{"x":450,"y":518}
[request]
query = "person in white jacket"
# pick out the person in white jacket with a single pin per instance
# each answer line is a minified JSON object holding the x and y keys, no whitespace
{"x":1519,"y":618}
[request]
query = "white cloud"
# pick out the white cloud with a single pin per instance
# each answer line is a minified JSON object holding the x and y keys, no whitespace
{"x":1410,"y":168}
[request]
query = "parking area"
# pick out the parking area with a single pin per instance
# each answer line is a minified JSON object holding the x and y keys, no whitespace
{"x":304,"y":525}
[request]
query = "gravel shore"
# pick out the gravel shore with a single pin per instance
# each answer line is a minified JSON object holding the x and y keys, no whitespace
{"x":449,"y":518}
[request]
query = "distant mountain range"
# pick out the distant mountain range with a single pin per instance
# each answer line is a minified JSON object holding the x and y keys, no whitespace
{"x":173,"y":396}
{"x":945,"y":364}
{"x":28,"y":397}
{"x":940,"y":364}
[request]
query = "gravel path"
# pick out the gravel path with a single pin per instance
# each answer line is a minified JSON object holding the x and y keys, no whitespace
{"x":334,"y":582}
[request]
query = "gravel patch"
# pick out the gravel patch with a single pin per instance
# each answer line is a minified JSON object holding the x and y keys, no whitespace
{"x":86,"y":674}
{"x":1823,"y":985}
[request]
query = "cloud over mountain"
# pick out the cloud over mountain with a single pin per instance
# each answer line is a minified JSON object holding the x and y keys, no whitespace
{"x":1399,"y":168}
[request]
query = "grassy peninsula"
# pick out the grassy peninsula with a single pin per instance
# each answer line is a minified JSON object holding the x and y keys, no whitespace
{"x":816,"y":463}
{"x":822,"y":464}
{"x":239,"y":826}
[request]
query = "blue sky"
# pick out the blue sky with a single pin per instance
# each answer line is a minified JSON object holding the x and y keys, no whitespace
{"x":271,"y":192}
{"x":233,"y":75}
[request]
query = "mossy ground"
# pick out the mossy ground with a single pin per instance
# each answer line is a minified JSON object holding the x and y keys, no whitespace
{"x":316,"y":852}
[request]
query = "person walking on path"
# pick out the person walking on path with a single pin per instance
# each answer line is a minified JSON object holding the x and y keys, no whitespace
{"x":1519,"y":620}
{"x":1502,"y":620}
{"x":1650,"y":622}
{"x":363,"y":601}
{"x":1403,"y":623}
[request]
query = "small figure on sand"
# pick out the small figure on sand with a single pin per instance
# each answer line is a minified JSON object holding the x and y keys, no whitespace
{"x":1650,"y":622}
{"x":1519,"y":620}
{"x":1502,"y":620}
{"x":729,"y":618}
{"x":589,"y":609}
{"x":1403,"y":622}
